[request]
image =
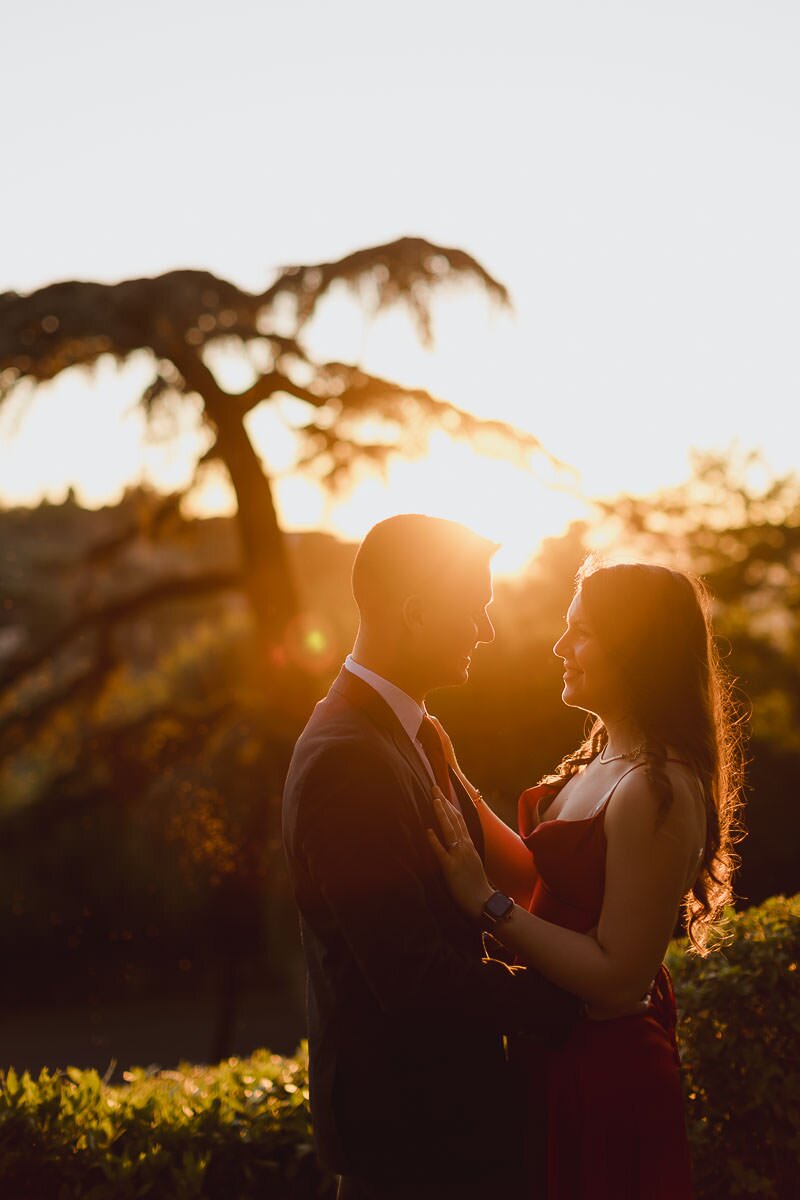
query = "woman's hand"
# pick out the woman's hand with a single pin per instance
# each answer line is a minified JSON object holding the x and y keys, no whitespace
{"x":452,"y":761}
{"x":458,"y":858}
{"x":447,"y":745}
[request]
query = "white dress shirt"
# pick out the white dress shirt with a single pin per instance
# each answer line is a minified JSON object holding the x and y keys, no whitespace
{"x":407,"y":711}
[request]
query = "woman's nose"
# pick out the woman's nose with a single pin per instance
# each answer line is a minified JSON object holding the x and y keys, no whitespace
{"x":559,"y":649}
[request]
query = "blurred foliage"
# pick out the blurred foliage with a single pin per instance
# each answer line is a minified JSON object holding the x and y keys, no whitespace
{"x":738,"y":1022}
{"x":739,"y":528}
{"x":239,"y":1129}
{"x":141,"y":757}
{"x":243,"y":1128}
{"x":141,"y":817}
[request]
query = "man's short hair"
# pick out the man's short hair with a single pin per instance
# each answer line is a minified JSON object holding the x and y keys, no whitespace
{"x":410,"y":553}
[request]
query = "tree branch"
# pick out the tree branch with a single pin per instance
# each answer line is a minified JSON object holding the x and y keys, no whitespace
{"x":405,"y":271}
{"x":26,"y":660}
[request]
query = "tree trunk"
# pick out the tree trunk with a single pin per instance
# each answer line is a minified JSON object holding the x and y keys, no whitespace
{"x":267,"y":570}
{"x":268,"y":576}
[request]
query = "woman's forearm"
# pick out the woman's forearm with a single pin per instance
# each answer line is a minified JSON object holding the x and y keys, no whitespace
{"x":612,"y":966}
{"x":509,"y":864}
{"x":574,"y":961}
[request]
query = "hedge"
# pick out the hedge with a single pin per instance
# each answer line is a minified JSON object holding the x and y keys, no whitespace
{"x":739,"y":1032}
{"x":241,"y":1130}
{"x":229,"y":1132}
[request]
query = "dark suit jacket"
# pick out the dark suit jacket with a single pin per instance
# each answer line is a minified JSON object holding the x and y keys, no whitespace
{"x":408,"y":1074}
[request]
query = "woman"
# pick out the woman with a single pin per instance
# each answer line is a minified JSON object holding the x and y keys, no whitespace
{"x":636,"y":823}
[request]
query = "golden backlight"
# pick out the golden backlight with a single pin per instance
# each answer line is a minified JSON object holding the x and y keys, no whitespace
{"x":494,"y":498}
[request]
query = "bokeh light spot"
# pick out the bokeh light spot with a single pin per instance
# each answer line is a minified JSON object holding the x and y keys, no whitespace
{"x":309,"y":643}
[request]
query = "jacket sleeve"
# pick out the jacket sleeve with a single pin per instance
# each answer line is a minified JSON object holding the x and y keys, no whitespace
{"x":363,"y":847}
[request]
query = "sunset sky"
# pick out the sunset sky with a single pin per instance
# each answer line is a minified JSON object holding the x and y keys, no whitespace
{"x":630,"y":170}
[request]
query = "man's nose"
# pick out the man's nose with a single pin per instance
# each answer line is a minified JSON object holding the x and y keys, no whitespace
{"x":485,"y":630}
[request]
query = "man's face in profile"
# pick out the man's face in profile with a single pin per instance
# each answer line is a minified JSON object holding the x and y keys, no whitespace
{"x":452,"y":620}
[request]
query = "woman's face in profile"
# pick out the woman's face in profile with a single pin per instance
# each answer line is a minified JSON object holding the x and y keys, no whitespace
{"x":591,"y":679}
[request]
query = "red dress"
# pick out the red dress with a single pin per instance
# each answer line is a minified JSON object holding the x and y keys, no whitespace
{"x":615,"y":1118}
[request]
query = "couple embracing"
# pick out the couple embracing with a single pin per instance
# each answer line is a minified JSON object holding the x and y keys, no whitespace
{"x":488,"y":1011}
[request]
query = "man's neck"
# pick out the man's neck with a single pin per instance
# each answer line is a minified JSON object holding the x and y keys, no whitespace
{"x":391,"y":671}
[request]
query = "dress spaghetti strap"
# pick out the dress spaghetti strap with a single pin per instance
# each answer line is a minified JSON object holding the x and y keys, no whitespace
{"x":624,"y":775}
{"x":681,"y":761}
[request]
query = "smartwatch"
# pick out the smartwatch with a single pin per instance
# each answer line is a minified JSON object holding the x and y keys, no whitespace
{"x":497,"y":907}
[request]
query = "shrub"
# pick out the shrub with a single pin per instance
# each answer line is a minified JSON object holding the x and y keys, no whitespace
{"x":231,"y":1132}
{"x":242,"y":1129}
{"x":739,"y":1032}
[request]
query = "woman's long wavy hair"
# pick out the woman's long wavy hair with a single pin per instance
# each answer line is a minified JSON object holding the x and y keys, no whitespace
{"x":655,"y":623}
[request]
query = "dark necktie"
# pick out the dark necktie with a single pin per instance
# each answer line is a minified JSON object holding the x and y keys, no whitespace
{"x":431,"y":743}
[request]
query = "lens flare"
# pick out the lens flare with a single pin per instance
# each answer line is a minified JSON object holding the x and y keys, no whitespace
{"x":309,"y":643}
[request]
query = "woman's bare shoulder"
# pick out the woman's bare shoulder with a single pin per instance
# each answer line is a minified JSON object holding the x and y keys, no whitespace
{"x":638,"y":800}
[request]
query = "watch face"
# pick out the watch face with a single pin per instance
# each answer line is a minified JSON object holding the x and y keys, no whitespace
{"x":498,"y":906}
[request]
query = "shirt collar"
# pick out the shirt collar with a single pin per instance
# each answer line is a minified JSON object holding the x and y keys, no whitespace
{"x":407,"y":711}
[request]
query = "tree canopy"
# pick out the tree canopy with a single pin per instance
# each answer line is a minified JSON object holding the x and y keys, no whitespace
{"x":181,"y":317}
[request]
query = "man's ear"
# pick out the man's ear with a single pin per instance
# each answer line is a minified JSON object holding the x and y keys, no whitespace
{"x":413,"y":613}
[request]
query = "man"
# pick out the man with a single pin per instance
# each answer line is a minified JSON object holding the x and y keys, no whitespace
{"x":411,"y":1092}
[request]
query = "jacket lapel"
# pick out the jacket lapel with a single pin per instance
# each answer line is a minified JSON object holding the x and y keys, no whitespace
{"x":365,"y":698}
{"x":368,"y":701}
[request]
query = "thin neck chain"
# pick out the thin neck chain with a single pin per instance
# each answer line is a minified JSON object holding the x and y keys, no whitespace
{"x":631,"y":755}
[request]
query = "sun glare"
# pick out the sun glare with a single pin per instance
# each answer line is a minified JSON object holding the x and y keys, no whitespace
{"x":496,"y":499}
